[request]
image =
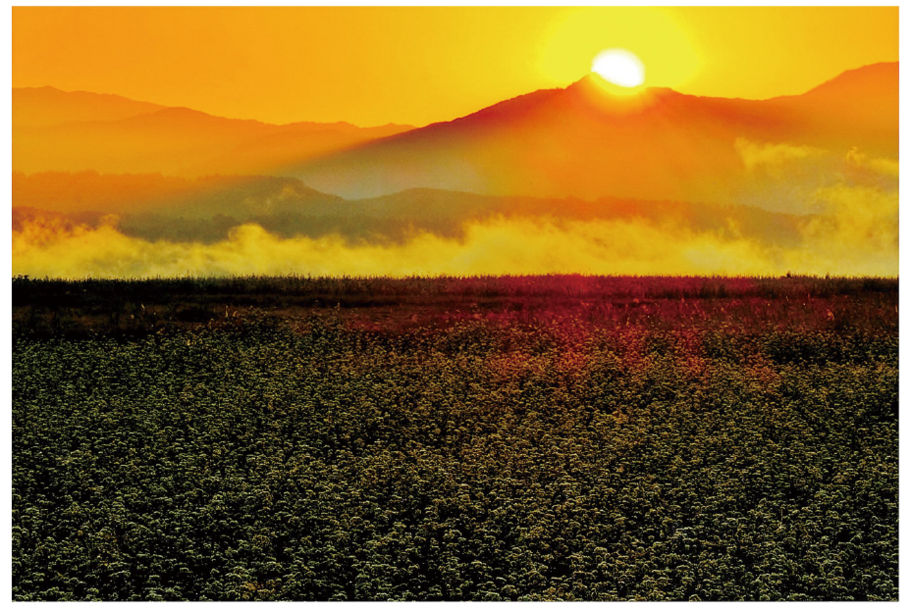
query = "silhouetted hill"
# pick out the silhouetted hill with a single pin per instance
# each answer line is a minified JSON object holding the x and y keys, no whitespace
{"x":157,"y":207}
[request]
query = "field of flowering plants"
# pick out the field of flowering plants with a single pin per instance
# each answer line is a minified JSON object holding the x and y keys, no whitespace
{"x":587,"y":438}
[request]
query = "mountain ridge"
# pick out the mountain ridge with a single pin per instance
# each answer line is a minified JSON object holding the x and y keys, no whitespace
{"x":577,"y":141}
{"x":555,"y":142}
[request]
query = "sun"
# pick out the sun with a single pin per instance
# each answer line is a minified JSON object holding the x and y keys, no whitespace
{"x":619,"y":67}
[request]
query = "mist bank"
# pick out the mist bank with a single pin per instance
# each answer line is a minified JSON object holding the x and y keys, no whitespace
{"x":841,"y":218}
{"x":840,"y":242}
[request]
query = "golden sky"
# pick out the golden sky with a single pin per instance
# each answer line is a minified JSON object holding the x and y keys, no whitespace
{"x":376,"y":65}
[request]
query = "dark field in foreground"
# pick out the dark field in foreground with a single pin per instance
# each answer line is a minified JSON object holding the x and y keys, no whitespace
{"x":513,"y":438}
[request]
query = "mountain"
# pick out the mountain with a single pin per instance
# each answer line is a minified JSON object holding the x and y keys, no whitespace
{"x":585,"y":142}
{"x":58,"y":131}
{"x":804,"y":181}
{"x":156,"y":207}
{"x":580,"y":141}
{"x":47,"y":107}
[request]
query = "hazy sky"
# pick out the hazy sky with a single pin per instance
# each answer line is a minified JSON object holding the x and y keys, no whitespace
{"x":375,"y":65}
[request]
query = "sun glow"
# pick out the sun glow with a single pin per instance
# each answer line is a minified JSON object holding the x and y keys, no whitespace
{"x":619,"y":67}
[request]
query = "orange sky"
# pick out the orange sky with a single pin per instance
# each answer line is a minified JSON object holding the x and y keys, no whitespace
{"x":375,"y":65}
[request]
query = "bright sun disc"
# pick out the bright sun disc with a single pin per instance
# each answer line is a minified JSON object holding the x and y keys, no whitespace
{"x":619,"y":67}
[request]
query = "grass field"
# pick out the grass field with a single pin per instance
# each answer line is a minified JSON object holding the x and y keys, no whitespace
{"x":564,"y":437}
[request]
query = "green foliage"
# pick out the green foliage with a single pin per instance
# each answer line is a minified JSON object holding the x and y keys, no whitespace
{"x":529,"y":457}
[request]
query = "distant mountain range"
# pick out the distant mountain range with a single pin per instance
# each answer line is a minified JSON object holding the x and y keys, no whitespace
{"x":579,"y":141}
{"x":572,"y":154}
